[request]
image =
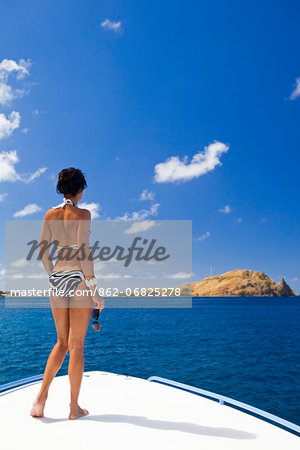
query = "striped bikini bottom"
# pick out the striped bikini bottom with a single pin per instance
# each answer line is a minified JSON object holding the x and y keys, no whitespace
{"x":64,"y":282}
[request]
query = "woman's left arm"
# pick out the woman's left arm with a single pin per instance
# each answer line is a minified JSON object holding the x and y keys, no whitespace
{"x":45,"y":243}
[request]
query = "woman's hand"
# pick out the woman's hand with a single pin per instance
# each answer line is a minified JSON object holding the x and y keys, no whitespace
{"x":98,"y":300}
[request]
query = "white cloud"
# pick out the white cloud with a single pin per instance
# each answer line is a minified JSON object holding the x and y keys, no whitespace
{"x":147,"y":195}
{"x":92,"y":207}
{"x":7,"y":94}
{"x":31,"y":208}
{"x":37,"y":275}
{"x":239,"y":220}
{"x":34,"y":275}
{"x":180,"y":275}
{"x":140,"y":226}
{"x":225,"y":210}
{"x":2,"y":197}
{"x":140,"y":215}
{"x":22,"y":262}
{"x":111,"y":260}
{"x":8,"y":160}
{"x":8,"y":125}
{"x":173,"y":169}
{"x":36,"y":174}
{"x":203,"y":236}
{"x":8,"y":66}
{"x":7,"y":166}
{"x":110,"y":275}
{"x":113,"y":26}
{"x":99,"y":265}
{"x":152,"y":262}
{"x":38,"y":112}
{"x":53,"y":179}
{"x":296,"y":92}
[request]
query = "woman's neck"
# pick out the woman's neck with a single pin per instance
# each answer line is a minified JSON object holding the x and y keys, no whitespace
{"x":71,"y":199}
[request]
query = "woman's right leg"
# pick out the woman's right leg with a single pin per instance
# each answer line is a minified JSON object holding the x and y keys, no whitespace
{"x":79,"y":317}
{"x":60,"y":312}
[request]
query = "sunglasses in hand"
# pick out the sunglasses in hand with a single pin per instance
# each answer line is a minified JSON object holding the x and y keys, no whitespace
{"x":95,"y":315}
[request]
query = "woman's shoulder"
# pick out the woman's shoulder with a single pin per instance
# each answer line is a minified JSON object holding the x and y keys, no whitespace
{"x":78,"y":213}
{"x":85,"y":213}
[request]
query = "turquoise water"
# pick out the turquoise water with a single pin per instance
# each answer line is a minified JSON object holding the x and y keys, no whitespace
{"x":244,"y":348}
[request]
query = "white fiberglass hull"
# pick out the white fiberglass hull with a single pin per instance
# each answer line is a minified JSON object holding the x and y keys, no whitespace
{"x":132,"y":413}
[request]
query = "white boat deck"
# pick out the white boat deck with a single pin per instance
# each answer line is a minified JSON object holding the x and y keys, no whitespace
{"x":132,"y":413}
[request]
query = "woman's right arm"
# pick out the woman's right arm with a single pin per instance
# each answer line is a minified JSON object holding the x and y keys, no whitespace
{"x":83,"y":243}
{"x":87,"y":263}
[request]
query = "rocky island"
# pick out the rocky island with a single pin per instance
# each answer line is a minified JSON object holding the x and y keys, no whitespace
{"x":240,"y":283}
{"x":235,"y":283}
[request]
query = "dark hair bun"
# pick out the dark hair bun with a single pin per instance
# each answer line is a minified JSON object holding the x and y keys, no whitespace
{"x":70,"y":181}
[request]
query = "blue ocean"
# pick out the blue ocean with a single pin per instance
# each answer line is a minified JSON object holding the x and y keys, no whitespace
{"x":244,"y":348}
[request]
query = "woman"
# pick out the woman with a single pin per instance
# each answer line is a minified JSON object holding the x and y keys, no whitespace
{"x":72,"y":286}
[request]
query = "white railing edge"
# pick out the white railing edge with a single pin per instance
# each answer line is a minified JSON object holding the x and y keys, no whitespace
{"x":229,"y":401}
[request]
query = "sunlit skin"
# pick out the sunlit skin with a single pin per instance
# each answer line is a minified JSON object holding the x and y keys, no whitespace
{"x":71,"y":322}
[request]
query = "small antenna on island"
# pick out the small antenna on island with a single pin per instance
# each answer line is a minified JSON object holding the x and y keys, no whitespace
{"x":211,"y":271}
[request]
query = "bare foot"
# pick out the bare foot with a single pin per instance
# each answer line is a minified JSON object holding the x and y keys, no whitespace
{"x":37,"y":409}
{"x":77,"y":412}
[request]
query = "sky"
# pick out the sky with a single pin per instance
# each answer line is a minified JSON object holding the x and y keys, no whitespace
{"x":184,"y":110}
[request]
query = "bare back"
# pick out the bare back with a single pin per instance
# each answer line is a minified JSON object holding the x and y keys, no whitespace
{"x":64,"y":223}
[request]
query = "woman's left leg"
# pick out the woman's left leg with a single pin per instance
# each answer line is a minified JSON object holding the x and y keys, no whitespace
{"x":56,"y":357}
{"x":80,"y":315}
